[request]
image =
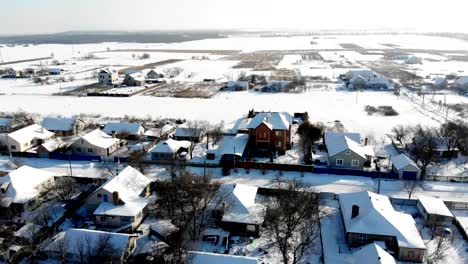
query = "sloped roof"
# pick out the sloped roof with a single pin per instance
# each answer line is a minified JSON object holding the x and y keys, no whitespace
{"x":242,"y":207}
{"x":100,"y":139}
{"x":434,"y":206}
{"x":170,"y":146}
{"x":74,"y":239}
{"x":54,"y":144}
{"x":58,"y":124}
{"x":29,"y":133}
{"x":23,"y":183}
{"x":363,"y":72}
{"x":238,"y":83}
{"x":462,"y":80}
{"x":213,"y":258}
{"x":339,"y":142}
{"x":275,"y":120}
{"x":108,"y":71}
{"x":187,"y":132}
{"x":402,"y":161}
{"x":372,"y":254}
{"x":229,"y":144}
{"x":129,"y":183}
{"x":377,"y":216}
{"x":122,"y":127}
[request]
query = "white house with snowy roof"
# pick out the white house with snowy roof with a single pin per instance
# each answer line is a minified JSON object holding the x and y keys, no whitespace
{"x":124,"y":129}
{"x":434,"y":211}
{"x":406,"y":168}
{"x":28,"y":137}
{"x":169,"y":149}
{"x":95,"y":143}
{"x":21,"y":187}
{"x":214,"y":258}
{"x":370,"y":217}
{"x":77,"y":243}
{"x":120,"y":201}
{"x":345,"y":150}
{"x":63,"y":126}
{"x":242,"y":214}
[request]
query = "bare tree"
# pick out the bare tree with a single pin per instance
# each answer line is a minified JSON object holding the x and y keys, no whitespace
{"x":438,"y":253}
{"x":410,"y":187}
{"x":61,"y":189}
{"x":194,"y":130}
{"x":137,"y":160}
{"x":292,"y":220}
{"x":400,"y":133}
{"x":308,"y":134}
{"x":424,"y":146}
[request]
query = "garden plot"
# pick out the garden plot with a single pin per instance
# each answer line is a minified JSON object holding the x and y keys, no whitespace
{"x":198,"y":70}
{"x":187,"y":90}
{"x":258,"y":61}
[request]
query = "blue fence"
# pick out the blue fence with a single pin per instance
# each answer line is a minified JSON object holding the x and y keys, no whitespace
{"x":74,"y":157}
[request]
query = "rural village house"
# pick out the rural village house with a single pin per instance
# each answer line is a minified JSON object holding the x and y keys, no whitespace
{"x":108,"y":77}
{"x":124,"y":130}
{"x":63,"y":126}
{"x":170,"y":149}
{"x":28,"y":137}
{"x":95,"y":143}
{"x":345,"y":150}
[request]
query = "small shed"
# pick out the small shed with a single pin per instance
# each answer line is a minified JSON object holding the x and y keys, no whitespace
{"x":434,"y":211}
{"x":406,"y":168}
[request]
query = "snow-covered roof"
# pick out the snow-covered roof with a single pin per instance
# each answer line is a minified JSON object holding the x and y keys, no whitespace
{"x":29,"y":133}
{"x":166,"y":129}
{"x":23,"y":183}
{"x":72,"y":241}
{"x":241,"y":125}
{"x":54,"y":70}
{"x":372,"y":254}
{"x":170,"y":146}
{"x":138,"y":76}
{"x":163,"y":227}
{"x":364,"y":73}
{"x":187,"y":132}
{"x":229,"y":144}
{"x":100,"y":139}
{"x":241,"y":207}
{"x":129,"y":183}
{"x":462,"y":80}
{"x":58,"y":124}
{"x":123,"y":127}
{"x":108,"y":71}
{"x":274,"y":120}
{"x":377,"y":216}
{"x":434,"y":206}
{"x":339,"y":142}
{"x":6,"y":121}
{"x":54,"y":144}
{"x":213,"y":258}
{"x":402,"y":161}
{"x":28,"y":231}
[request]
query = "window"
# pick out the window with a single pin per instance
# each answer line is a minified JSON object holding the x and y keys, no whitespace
{"x":277,"y":133}
{"x":99,"y":195}
{"x":90,"y":150}
{"x":355,"y":163}
{"x":250,"y":228}
{"x":126,"y":219}
{"x":411,"y":254}
{"x":278,"y":143}
{"x":13,"y":147}
{"x":78,"y":149}
{"x":339,"y":162}
{"x":348,"y":152}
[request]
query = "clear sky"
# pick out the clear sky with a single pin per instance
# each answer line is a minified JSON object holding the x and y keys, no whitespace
{"x":47,"y":16}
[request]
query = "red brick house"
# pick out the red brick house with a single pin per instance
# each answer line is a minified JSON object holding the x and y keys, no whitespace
{"x":270,"y":131}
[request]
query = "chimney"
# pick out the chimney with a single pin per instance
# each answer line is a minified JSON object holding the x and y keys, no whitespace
{"x":354,"y":211}
{"x":4,"y":186}
{"x":366,"y":141}
{"x":115,"y":198}
{"x":113,"y":133}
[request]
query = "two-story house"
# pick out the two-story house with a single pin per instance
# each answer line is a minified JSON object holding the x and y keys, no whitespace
{"x":108,"y":77}
{"x":270,"y":132}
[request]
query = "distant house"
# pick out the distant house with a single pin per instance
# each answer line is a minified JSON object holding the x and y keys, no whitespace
{"x":63,"y":126}
{"x":237,"y":86}
{"x":190,"y":134}
{"x":276,"y":86}
{"x":170,"y":149}
{"x":20,"y":189}
{"x":243,"y":215}
{"x":413,"y":60}
{"x":120,"y":202}
{"x":28,"y":137}
{"x":375,"y":82}
{"x":124,"y":130}
{"x":134,"y":79}
{"x":370,"y":217}
{"x":160,"y":133}
{"x":366,"y":74}
{"x":406,"y":168}
{"x":345,"y":150}
{"x":74,"y":243}
{"x":437,"y":83}
{"x":270,"y":132}
{"x":372,"y":253}
{"x":152,"y":76}
{"x":108,"y":77}
{"x":12,"y":73}
{"x":96,"y":143}
{"x":214,"y":258}
{"x":55,"y":71}
{"x":434,"y":211}
{"x":462,"y":84}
